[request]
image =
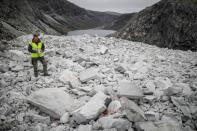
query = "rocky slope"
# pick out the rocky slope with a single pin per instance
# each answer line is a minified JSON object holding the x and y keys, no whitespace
{"x":98,"y":84}
{"x":168,"y":23}
{"x":20,"y":17}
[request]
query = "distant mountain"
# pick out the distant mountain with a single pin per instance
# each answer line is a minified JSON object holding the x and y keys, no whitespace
{"x":120,"y":22}
{"x":168,"y":23}
{"x":113,"y":13}
{"x":56,"y":17}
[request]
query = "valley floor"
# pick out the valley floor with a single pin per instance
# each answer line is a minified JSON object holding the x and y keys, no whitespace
{"x":98,"y":83}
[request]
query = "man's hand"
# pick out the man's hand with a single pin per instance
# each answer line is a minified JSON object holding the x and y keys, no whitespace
{"x":35,"y":51}
{"x":39,"y":51}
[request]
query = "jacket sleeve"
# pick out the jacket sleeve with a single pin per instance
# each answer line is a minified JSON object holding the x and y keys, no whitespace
{"x":30,"y":49}
{"x":43,"y":47}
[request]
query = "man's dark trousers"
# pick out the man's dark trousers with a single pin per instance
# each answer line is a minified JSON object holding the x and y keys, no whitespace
{"x":35,"y":65}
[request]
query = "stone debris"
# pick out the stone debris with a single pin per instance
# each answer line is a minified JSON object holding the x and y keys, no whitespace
{"x":129,"y":90}
{"x":50,"y":53}
{"x":151,"y":86}
{"x":130,"y":129}
{"x":163,"y":83}
{"x":40,"y":127}
{"x":92,"y":109}
{"x":108,"y":123}
{"x":133,"y":112}
{"x":113,"y":129}
{"x":58,"y":128}
{"x":88,"y":74}
{"x":105,"y":83}
{"x":187,"y":91}
{"x":146,"y":91}
{"x":84,"y":128}
{"x":3,"y":84}
{"x":151,"y":115}
{"x":182,"y":105}
{"x":114,"y":107}
{"x":99,"y":88}
{"x":38,"y":118}
{"x":145,"y":126}
{"x":103,"y":50}
{"x":171,"y":91}
{"x":65,"y":118}
{"x":122,"y":68}
{"x":77,"y":92}
{"x":52,"y":101}
{"x":3,"y":68}
{"x":158,"y":126}
{"x":187,"y":128}
{"x":86,"y":89}
{"x":17,"y":68}
{"x":17,"y":55}
{"x":69,"y":78}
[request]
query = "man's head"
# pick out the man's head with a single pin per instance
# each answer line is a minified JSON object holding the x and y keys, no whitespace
{"x":36,"y":34}
{"x":36,"y":38}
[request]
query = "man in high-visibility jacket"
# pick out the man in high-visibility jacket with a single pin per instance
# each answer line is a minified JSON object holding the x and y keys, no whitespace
{"x":36,"y":48}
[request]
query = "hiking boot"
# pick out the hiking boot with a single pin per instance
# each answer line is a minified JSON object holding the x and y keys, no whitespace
{"x":46,"y":74}
{"x":36,"y":74}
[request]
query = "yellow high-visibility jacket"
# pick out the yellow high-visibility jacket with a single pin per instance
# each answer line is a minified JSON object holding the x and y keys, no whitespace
{"x":38,"y":49}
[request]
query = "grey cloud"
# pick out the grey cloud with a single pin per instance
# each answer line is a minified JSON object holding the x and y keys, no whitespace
{"x":122,"y":6}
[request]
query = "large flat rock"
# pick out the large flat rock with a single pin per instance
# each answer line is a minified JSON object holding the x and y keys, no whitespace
{"x":52,"y":101}
{"x":129,"y":90}
{"x":92,"y":109}
{"x":88,"y":74}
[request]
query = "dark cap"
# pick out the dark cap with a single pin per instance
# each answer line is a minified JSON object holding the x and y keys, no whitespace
{"x":36,"y":34}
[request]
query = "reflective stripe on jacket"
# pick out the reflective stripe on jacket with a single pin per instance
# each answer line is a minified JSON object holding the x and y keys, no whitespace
{"x":38,"y":49}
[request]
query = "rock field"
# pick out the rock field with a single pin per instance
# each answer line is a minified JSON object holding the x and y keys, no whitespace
{"x":98,"y":84}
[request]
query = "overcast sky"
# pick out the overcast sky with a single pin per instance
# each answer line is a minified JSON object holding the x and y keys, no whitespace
{"x":121,"y":6}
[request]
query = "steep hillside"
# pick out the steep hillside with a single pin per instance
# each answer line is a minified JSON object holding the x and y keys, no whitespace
{"x":169,"y":23}
{"x":53,"y":17}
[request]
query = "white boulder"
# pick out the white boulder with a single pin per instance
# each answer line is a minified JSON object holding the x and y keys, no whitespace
{"x":65,"y":118}
{"x":129,"y":90}
{"x":103,"y":50}
{"x":92,"y":109}
{"x":69,"y":77}
{"x":52,"y":101}
{"x":88,"y":74}
{"x":133,"y":112}
{"x":108,"y":122}
{"x":114,"y":106}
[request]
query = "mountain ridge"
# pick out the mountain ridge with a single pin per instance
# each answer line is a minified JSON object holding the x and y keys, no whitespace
{"x":53,"y":17}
